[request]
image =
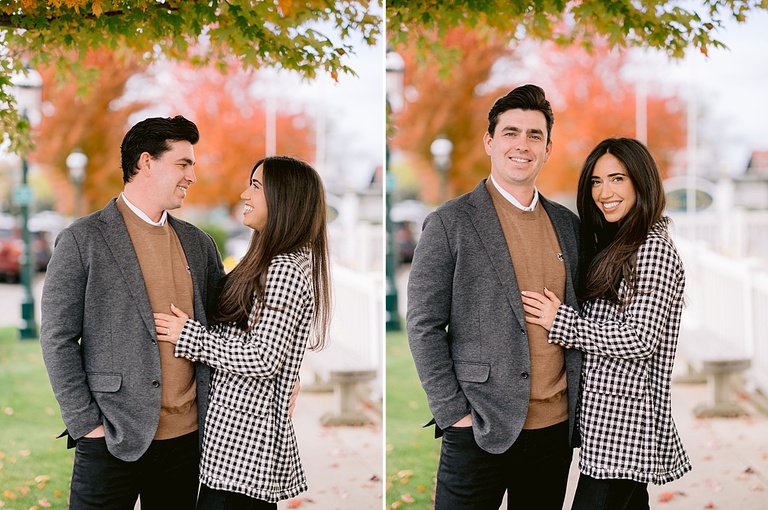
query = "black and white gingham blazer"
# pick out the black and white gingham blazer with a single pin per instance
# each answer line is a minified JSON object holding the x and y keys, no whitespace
{"x":249,"y":446}
{"x":625,"y":416}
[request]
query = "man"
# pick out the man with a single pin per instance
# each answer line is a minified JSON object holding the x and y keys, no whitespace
{"x":502,"y":398}
{"x":132,"y":409}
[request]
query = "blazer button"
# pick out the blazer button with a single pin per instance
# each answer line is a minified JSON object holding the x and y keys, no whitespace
{"x":155,"y":384}
{"x":154,"y":342}
{"x":524,"y":375}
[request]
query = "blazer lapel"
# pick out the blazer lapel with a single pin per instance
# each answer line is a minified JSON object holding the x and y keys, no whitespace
{"x":119,"y":243}
{"x":486,"y":222}
{"x":569,"y":244}
{"x":196,"y":264}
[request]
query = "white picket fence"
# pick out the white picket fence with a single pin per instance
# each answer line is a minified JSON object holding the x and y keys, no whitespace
{"x":358,"y":318}
{"x":734,"y":232}
{"x":359,"y":246}
{"x":728,"y":297}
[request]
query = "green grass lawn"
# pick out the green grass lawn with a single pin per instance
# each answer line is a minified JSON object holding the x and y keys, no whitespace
{"x":35,"y":467}
{"x":412,"y":451}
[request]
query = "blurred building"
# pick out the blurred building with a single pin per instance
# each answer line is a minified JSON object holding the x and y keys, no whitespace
{"x":750,"y":189}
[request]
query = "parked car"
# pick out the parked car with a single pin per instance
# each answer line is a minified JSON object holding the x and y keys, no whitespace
{"x":12,"y":247}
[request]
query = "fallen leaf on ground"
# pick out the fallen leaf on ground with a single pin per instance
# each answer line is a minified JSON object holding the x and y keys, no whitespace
{"x":25,"y":453}
{"x":396,"y":504}
{"x":294,"y":503}
{"x":43,"y":503}
{"x":375,"y":478}
{"x":757,"y":488}
{"x":9,"y":495}
{"x":666,"y":497}
{"x":407,"y":498}
{"x":420,"y":488}
{"x":709,"y":505}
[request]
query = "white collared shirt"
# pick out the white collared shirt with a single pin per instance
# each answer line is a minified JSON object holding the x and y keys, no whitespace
{"x":512,"y":200}
{"x":143,"y":216}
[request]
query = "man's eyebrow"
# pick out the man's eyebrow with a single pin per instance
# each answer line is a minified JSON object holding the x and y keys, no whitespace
{"x":518,"y":130}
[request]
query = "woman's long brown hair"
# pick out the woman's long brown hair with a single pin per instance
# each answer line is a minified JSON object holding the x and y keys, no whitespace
{"x":609,"y":249}
{"x":296,"y":219}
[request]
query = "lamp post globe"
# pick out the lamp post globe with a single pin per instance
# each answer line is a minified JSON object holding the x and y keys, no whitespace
{"x":76,"y":163}
{"x":441,"y":149}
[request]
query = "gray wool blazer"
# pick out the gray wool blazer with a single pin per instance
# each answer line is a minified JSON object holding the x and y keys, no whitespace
{"x":98,"y":332}
{"x":465,"y":322}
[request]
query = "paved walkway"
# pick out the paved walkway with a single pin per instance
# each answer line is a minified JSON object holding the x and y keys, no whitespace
{"x":344,"y":465}
{"x":729,"y":455}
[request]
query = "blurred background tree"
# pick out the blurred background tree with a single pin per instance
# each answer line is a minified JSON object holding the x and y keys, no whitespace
{"x":461,"y":56}
{"x":231,"y":121}
{"x":307,"y":37}
{"x":590,"y":99}
{"x":667,"y":25}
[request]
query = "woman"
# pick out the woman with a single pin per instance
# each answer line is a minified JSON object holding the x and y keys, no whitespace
{"x":628,"y":328}
{"x":273,"y":305}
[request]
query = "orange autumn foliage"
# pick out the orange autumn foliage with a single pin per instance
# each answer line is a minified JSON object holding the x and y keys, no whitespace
{"x":592,"y":102}
{"x":451,"y":106}
{"x":94,"y":123}
{"x":590,"y":99}
{"x":232,"y":123}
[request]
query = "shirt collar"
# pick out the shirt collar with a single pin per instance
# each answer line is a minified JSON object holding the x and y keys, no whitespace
{"x":512,"y":200}
{"x":143,"y":216}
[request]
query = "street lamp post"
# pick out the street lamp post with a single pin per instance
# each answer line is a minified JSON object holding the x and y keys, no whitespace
{"x":394,"y":96}
{"x":27,"y":90}
{"x":441,"y":149}
{"x":76,"y":163}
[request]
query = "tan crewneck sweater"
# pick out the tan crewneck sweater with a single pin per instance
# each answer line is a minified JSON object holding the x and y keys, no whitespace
{"x":167,"y":278}
{"x":537,"y":260}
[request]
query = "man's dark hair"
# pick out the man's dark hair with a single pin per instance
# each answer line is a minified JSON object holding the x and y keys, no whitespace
{"x":152,"y":135}
{"x":524,"y":97}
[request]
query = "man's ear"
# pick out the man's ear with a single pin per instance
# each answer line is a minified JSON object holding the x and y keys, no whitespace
{"x":487,"y":140}
{"x":144,"y":163}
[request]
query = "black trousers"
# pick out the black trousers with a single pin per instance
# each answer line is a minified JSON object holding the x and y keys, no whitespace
{"x":533,"y":471}
{"x":212,"y":499}
{"x":610,"y":494}
{"x":166,"y":476}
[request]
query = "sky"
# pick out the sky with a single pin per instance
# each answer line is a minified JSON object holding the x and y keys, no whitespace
{"x":354,"y":113}
{"x":731,"y":91}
